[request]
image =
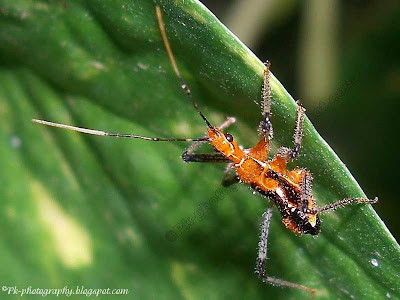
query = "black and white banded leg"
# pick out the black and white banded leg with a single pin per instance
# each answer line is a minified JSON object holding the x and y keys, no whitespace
{"x":262,"y":257}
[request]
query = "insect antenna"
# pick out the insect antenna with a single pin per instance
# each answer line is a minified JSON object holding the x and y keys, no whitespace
{"x":121,"y":135}
{"x":171,"y":57}
{"x":134,"y":136}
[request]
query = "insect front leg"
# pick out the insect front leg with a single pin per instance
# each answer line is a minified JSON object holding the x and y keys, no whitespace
{"x":262,"y":257}
{"x":228,"y":122}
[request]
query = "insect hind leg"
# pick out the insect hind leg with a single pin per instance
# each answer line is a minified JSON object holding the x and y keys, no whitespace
{"x":292,"y":153}
{"x":341,"y":203}
{"x":262,"y":257}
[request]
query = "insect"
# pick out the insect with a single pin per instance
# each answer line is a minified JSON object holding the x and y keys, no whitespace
{"x":289,"y":190}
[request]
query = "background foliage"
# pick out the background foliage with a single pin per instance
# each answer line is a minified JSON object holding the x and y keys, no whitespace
{"x":94,"y":212}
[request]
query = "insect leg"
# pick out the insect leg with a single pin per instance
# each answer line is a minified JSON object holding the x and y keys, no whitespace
{"x":265,"y":129}
{"x":189,"y":156}
{"x":341,"y":203}
{"x":262,"y":257}
{"x":204,"y":158}
{"x":306,"y":189}
{"x":298,"y":131}
{"x":292,"y":153}
{"x":229,"y":177}
{"x":228,"y":122}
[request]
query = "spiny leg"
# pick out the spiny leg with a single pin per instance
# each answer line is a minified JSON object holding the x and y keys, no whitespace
{"x":265,"y":129}
{"x":228,"y":122}
{"x":193,"y":147}
{"x":230,"y":177}
{"x":262,"y":257}
{"x":341,"y":203}
{"x":292,"y":153}
{"x":204,"y":158}
{"x":263,"y":243}
{"x":306,"y":189}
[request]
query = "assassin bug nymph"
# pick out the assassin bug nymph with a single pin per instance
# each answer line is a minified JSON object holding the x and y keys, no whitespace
{"x":289,"y":190}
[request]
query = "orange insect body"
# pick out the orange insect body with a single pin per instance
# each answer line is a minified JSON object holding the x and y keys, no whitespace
{"x":272,"y":180}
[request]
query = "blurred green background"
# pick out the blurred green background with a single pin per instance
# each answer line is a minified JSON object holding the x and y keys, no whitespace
{"x":78,"y":210}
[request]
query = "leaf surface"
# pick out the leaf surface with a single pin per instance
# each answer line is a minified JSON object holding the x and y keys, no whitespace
{"x":98,"y":212}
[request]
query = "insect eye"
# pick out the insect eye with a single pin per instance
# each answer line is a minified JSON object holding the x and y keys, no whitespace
{"x":229,"y":137}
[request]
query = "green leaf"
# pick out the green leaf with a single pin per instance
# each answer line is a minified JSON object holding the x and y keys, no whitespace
{"x":95,"y":212}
